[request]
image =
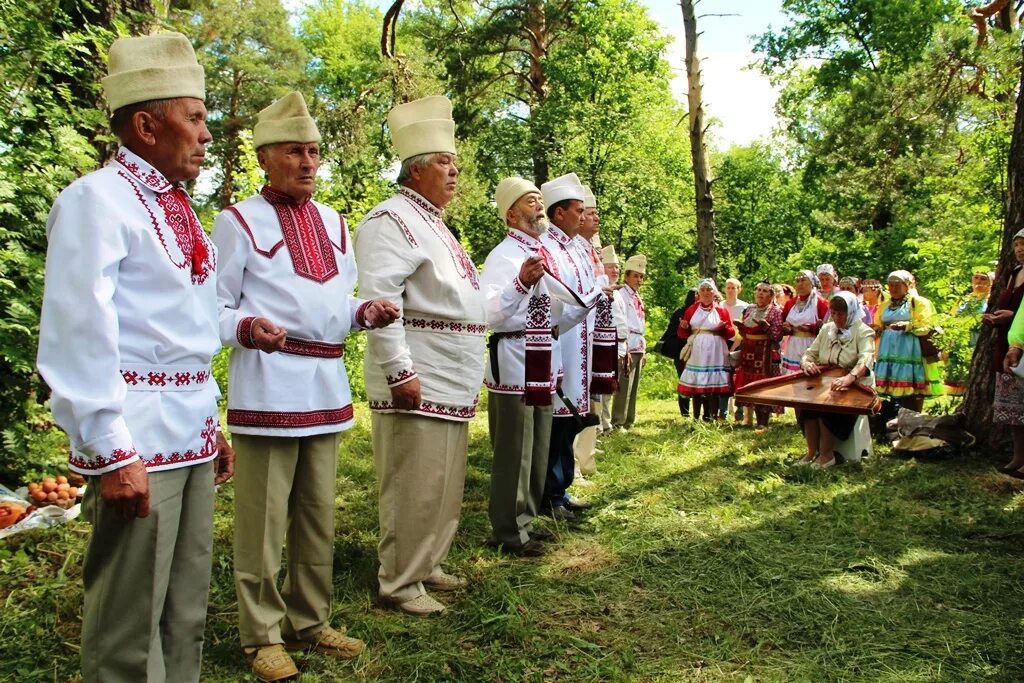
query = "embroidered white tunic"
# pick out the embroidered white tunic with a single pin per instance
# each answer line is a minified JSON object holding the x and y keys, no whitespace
{"x":508,"y":302}
{"x":129,"y":321}
{"x":575,"y":341}
{"x":636,"y":319}
{"x":408,"y":256}
{"x":294,"y":266}
{"x":621,"y":323}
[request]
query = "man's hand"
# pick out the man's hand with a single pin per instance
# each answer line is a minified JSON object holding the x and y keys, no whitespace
{"x":810,"y":368}
{"x":224,"y":464}
{"x":126,"y":489}
{"x":266,"y":336}
{"x":380,"y":313}
{"x":531,"y":271}
{"x":1012,"y":359}
{"x":407,"y":396}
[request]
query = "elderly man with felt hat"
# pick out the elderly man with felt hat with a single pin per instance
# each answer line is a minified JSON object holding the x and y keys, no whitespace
{"x":624,"y":405}
{"x":285,"y":284}
{"x":127,"y":334}
{"x":422,"y":376}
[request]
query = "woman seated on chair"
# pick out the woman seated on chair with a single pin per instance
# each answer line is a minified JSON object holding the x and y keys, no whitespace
{"x":846,"y":342}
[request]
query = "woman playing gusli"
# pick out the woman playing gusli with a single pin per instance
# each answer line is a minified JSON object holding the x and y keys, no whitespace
{"x":802,"y":317}
{"x":846,"y":342}
{"x":761,"y":330}
{"x":706,"y":326}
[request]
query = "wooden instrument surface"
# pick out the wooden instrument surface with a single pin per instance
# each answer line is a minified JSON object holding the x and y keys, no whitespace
{"x":802,"y":391}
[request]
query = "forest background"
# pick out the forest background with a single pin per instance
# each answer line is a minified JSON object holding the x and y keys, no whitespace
{"x":892,"y":150}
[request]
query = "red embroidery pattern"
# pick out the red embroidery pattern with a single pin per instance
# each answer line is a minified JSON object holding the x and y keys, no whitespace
{"x":248,"y":231}
{"x":433,"y":325}
{"x":163,"y":379}
{"x":432,"y":217}
{"x":462,"y":413}
{"x":100,"y":461}
{"x":398,"y":219}
{"x":289,"y":420}
{"x":518,"y":284}
{"x":361,"y":315}
{"x":305,"y":236}
{"x":533,"y":247}
{"x":402,"y":377}
{"x":314,"y":349}
{"x":561,"y":239}
{"x":152,"y":178}
{"x":243,"y":332}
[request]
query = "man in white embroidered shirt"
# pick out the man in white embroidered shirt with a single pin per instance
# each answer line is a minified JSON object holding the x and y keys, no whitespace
{"x":285,"y":282}
{"x":624,"y":407}
{"x":423,"y":377}
{"x":127,"y":333}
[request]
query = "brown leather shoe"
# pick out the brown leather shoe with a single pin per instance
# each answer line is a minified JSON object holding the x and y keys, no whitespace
{"x":329,"y":642}
{"x":271,"y":663}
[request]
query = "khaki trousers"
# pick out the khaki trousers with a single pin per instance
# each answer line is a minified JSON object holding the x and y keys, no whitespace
{"x":520,"y":438}
{"x":421,"y":470}
{"x":284,"y":494}
{"x":586,"y":443}
{"x":147,"y":582}
{"x":606,"y":413}
{"x":624,"y":409}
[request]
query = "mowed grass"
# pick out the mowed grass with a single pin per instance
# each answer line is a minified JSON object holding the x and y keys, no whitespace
{"x":706,"y":557}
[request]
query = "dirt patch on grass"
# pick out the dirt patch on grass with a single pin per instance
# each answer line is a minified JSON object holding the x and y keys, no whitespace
{"x":580,"y":557}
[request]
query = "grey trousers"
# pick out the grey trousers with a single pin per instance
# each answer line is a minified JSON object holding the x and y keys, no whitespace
{"x":624,"y":409}
{"x":284,"y":492}
{"x":421,"y":471}
{"x":520,"y":438}
{"x":147,"y":582}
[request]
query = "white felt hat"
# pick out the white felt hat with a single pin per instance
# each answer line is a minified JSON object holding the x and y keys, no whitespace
{"x":422,"y":126}
{"x":509,"y":191}
{"x":589,"y":200}
{"x":286,"y":120}
{"x":157,"y":67}
{"x":636,"y":263}
{"x":609,"y":257}
{"x":563,"y":187}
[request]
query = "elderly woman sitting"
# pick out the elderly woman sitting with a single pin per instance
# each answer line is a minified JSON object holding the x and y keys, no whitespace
{"x":845,"y":341}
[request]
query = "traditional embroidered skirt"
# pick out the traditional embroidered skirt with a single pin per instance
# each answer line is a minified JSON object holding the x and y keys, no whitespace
{"x":1008,"y":407}
{"x":793,"y":350}
{"x":900,"y":370}
{"x":708,"y":370}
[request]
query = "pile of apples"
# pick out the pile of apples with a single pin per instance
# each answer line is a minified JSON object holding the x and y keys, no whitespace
{"x":53,"y":491}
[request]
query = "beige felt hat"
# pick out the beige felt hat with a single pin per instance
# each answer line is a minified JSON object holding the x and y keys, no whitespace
{"x":636,"y":263}
{"x":422,"y":126}
{"x":589,"y":200}
{"x":286,"y":120}
{"x":157,"y":67}
{"x":563,"y":187}
{"x":509,"y":191}
{"x":595,"y":241}
{"x":609,"y":257}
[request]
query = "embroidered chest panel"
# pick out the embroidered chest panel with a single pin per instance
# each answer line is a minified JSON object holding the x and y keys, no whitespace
{"x":305,"y":237}
{"x":430,"y":215}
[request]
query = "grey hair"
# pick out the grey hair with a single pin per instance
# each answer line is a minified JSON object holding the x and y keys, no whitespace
{"x":405,"y":174}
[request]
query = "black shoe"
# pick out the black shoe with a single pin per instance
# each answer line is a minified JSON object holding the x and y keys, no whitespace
{"x":573,"y":505}
{"x":560,"y":513}
{"x":529,"y":549}
{"x":543,"y":535}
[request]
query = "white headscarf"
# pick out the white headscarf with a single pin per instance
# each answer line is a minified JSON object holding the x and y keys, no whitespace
{"x":853,"y":314}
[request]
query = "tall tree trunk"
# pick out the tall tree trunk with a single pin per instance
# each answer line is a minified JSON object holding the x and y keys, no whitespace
{"x":706,"y":262}
{"x":540,"y":133}
{"x":977,"y":406}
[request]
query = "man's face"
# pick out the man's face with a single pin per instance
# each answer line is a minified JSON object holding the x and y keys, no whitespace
{"x":180,"y":140}
{"x":568,"y":218}
{"x":732,"y":290}
{"x":437,"y":179}
{"x":528,"y":214}
{"x":612,"y":271}
{"x":590,"y":223}
{"x":291,"y":167}
{"x":634,"y":279}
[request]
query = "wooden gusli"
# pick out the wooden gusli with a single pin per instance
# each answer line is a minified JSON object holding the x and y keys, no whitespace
{"x":802,"y":391}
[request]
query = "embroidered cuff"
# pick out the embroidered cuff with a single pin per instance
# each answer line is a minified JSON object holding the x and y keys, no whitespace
{"x":105,"y":453}
{"x":519,"y":286}
{"x":400,"y":378}
{"x":243,"y":333}
{"x":361,"y":316}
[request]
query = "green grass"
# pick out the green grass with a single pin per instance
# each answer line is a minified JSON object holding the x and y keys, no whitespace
{"x":706,"y":558}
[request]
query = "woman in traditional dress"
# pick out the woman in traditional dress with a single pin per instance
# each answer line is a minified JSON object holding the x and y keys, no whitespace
{"x":1008,"y":406}
{"x":706,"y":326}
{"x":849,"y":283}
{"x":874,"y":297}
{"x":847,"y":342}
{"x":761,"y":330}
{"x":972,"y":306}
{"x":902,"y":372}
{"x":827,"y":277}
{"x":802,"y":317}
